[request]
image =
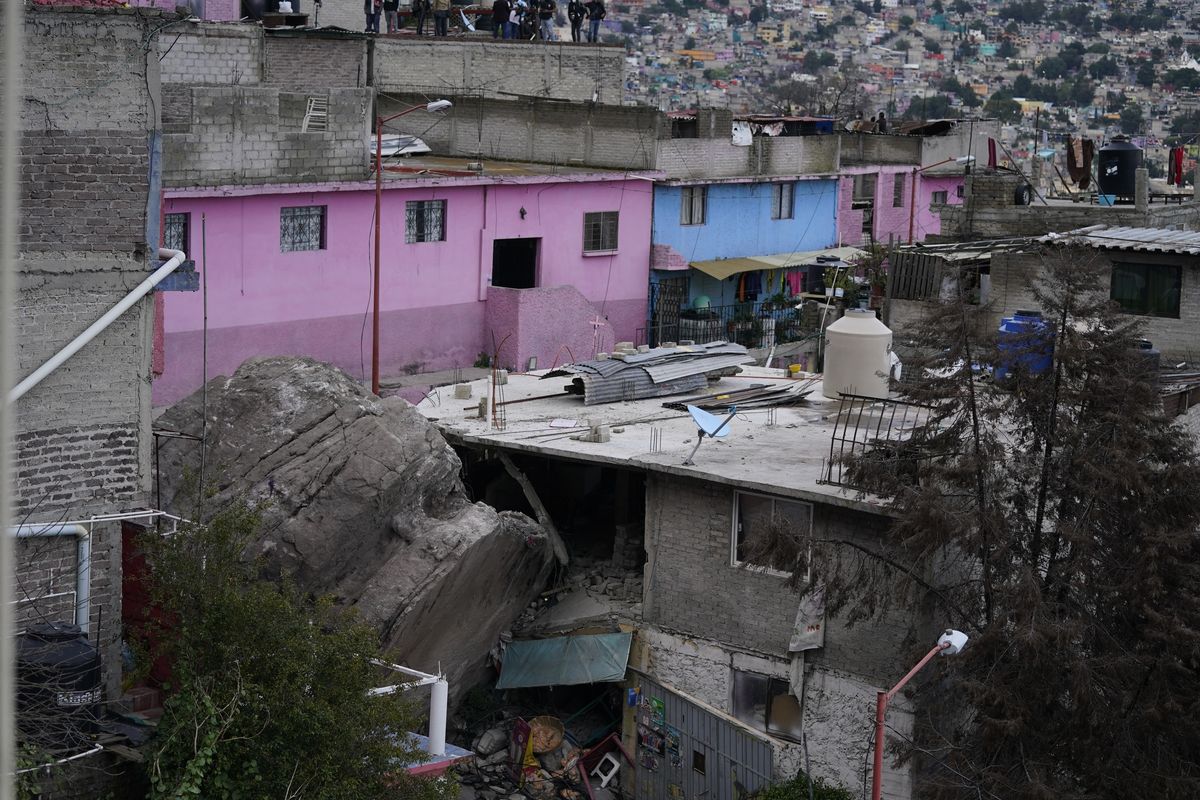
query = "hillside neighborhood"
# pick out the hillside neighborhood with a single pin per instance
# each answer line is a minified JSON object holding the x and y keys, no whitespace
{"x":766,"y":401}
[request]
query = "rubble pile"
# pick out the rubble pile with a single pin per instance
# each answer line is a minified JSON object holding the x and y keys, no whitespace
{"x":552,"y":775}
{"x":614,"y":594}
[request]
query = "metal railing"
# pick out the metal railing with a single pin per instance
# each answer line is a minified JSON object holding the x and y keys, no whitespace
{"x":753,"y":325}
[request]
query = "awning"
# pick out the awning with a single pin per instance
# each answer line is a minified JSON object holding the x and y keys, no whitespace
{"x":565,"y":661}
{"x":722,"y":268}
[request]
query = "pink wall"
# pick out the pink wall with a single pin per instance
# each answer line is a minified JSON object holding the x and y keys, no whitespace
{"x":265,"y":302}
{"x":555,"y":325}
{"x":215,"y":10}
{"x":891,"y":219}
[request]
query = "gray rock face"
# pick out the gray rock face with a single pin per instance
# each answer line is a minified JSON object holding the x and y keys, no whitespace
{"x":361,"y":499}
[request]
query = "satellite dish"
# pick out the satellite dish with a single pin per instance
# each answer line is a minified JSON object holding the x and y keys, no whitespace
{"x":709,"y":425}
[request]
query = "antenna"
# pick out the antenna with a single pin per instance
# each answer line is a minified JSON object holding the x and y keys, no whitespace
{"x":709,"y":425}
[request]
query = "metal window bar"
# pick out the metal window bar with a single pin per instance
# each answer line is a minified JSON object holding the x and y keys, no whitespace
{"x":176,"y":231}
{"x":301,"y":228}
{"x":600,"y":231}
{"x":425,"y":221}
{"x":753,"y":325}
{"x":880,"y":426}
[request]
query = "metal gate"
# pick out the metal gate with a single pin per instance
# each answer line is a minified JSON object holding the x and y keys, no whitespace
{"x":666,"y":299}
{"x":686,"y":751}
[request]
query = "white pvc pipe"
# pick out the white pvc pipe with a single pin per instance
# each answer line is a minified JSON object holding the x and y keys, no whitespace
{"x":175,"y":258}
{"x":439,"y":701}
{"x":83,"y":562}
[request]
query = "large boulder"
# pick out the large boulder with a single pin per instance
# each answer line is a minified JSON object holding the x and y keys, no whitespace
{"x":361,"y":499}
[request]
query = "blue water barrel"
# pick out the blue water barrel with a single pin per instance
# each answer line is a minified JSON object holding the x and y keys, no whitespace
{"x":1026,"y":340}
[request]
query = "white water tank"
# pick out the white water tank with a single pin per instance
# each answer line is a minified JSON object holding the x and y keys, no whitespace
{"x":858,"y":351}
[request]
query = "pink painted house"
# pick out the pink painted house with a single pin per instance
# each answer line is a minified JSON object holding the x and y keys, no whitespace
{"x":551,"y":262}
{"x":877,"y":201}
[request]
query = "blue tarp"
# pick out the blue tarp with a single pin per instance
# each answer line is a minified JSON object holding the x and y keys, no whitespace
{"x":565,"y":660}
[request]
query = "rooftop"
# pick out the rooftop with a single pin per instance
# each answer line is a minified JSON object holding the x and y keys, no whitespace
{"x":1113,"y":237}
{"x":780,"y":451}
{"x":434,"y":166}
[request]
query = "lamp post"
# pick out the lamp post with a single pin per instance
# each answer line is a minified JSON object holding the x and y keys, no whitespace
{"x":436,"y":105}
{"x":916,"y":174}
{"x":949,"y":643}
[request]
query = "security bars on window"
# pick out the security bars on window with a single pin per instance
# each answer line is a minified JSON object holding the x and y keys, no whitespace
{"x":175,"y":231}
{"x":600,"y":231}
{"x":301,"y":228}
{"x":425,"y":221}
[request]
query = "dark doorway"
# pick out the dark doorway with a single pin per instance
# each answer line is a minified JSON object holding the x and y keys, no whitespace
{"x":514,"y":263}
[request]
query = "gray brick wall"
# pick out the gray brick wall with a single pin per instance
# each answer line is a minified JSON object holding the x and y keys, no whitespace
{"x":694,"y":589}
{"x":237,"y":135}
{"x":1178,"y":339}
{"x":91,"y":99}
{"x":304,"y":62}
{"x":540,"y":69}
{"x":217,"y":54}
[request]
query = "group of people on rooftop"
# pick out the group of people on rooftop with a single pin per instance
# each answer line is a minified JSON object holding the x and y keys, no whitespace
{"x":511,"y":19}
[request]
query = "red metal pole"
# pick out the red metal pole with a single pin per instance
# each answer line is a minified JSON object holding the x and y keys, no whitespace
{"x":378,"y":226}
{"x":881,"y":701}
{"x":912,"y":204}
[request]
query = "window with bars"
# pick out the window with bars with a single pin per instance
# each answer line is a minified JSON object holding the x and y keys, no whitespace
{"x":426,"y":221}
{"x":694,"y":209}
{"x":898,"y":190}
{"x":783,"y":197}
{"x":301,"y":228}
{"x":599,"y":231}
{"x":177,"y":231}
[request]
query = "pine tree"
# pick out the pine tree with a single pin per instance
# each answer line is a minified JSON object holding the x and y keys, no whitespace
{"x":1055,"y":519}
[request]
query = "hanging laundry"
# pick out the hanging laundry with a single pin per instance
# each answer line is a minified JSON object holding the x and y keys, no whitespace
{"x":991,"y":162}
{"x":795,"y":280}
{"x":741,"y":290}
{"x":1177,"y":163}
{"x":1077,"y":168}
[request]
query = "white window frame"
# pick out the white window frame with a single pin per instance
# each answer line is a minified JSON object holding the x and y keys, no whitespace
{"x":602,"y":220}
{"x":693,"y":206}
{"x":733,"y":535}
{"x":783,"y":200}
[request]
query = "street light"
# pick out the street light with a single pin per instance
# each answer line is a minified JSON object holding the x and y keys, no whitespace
{"x":436,"y":105}
{"x":912,"y":201}
{"x":949,"y":643}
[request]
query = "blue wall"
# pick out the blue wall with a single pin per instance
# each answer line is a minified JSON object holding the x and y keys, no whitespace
{"x":739,"y":223}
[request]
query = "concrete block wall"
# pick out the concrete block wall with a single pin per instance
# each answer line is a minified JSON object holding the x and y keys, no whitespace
{"x":570,"y":134}
{"x":81,"y":441}
{"x":1178,"y":339}
{"x":541,"y":69}
{"x":692,"y":587}
{"x":301,"y":62}
{"x":875,"y":148}
{"x":236,"y":135}
{"x":213,"y":54}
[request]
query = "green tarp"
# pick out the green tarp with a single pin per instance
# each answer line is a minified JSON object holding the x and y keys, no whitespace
{"x":565,"y":660}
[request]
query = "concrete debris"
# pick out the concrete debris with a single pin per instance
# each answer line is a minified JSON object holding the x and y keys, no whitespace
{"x":591,"y":593}
{"x":361,"y":499}
{"x":556,"y":775}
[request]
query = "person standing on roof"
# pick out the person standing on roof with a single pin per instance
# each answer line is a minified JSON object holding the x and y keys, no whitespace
{"x":881,"y":123}
{"x":420,"y":9}
{"x":372,"y":9}
{"x":391,"y":14}
{"x":514,"y":19}
{"x":546,"y":9}
{"x":596,"y":12}
{"x":500,"y":13}
{"x":576,"y":13}
{"x":441,"y":17}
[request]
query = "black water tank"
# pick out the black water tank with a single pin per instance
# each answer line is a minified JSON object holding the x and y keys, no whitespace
{"x":58,"y":685}
{"x":1117,"y":166}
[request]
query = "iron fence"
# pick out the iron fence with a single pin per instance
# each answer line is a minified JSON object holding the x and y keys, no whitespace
{"x":753,"y":325}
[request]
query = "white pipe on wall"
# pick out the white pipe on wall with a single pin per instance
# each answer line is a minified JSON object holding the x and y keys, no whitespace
{"x":175,"y":258}
{"x":439,"y":701}
{"x":83,"y":562}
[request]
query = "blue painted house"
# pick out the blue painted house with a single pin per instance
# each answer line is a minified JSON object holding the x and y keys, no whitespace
{"x":728,"y":246}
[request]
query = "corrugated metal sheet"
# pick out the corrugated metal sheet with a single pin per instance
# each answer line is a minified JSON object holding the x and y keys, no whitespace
{"x":655,"y":373}
{"x":1108,"y":237}
{"x":636,"y":385}
{"x":722,"y":268}
{"x":671,"y":370}
{"x":736,"y":760}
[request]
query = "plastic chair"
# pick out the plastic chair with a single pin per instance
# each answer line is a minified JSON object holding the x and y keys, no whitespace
{"x":607,"y":769}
